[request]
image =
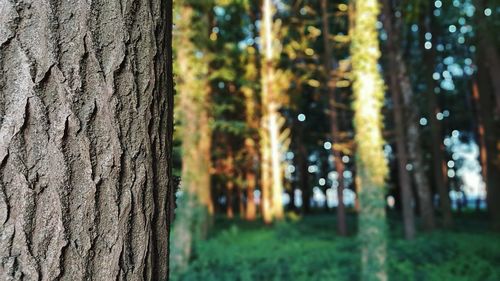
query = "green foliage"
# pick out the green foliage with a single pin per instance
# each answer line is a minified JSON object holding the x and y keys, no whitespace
{"x":308,"y":250}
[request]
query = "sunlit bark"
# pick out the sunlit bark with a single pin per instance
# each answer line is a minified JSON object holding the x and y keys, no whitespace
{"x":371,"y":164}
{"x":272,"y":181}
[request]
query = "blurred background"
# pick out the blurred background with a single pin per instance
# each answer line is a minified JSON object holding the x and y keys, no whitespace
{"x":337,"y":140}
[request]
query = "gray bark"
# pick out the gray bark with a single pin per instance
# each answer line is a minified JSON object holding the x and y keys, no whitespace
{"x":85,"y":137}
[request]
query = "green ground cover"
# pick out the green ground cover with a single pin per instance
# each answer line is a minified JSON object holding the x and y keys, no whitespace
{"x":308,"y":249}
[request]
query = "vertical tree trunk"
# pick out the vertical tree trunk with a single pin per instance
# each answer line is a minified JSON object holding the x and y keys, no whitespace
{"x":303,"y":174}
{"x":230,"y":197}
{"x":195,"y":207}
{"x":371,"y":165}
{"x":491,"y":154}
{"x":85,"y":140}
{"x":436,"y":137}
{"x":487,"y":45}
{"x":270,"y":145}
{"x":334,"y":122}
{"x":401,"y":87}
{"x":250,"y":210}
{"x":402,"y":158}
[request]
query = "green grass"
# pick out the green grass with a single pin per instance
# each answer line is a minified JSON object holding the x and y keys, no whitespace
{"x":308,"y":249}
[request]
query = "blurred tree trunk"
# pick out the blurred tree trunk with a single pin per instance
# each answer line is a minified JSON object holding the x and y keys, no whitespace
{"x":491,"y":135}
{"x":401,"y":88}
{"x":436,"y":131}
{"x":195,"y":207}
{"x":86,"y":97}
{"x":334,"y":122}
{"x":272,"y":170}
{"x":488,"y":47}
{"x":252,"y":121}
{"x":251,"y":210}
{"x":371,"y":165}
{"x":489,"y":96}
{"x":402,"y":158}
{"x":241,"y":202}
{"x":229,"y":197}
{"x":302,"y":164}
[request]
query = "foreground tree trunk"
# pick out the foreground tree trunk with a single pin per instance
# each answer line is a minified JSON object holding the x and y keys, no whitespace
{"x":371,"y":165}
{"x":85,"y":140}
{"x":334,"y":120}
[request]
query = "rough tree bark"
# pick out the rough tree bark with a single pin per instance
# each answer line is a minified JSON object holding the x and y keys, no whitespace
{"x":334,"y":120}
{"x":85,"y":139}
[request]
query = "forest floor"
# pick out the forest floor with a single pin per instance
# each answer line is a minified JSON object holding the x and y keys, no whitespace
{"x":307,"y":248}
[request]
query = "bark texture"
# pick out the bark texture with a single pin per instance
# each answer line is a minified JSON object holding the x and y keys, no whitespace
{"x":85,"y":138}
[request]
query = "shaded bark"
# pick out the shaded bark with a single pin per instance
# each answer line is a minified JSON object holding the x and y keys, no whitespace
{"x":436,"y":130}
{"x":334,"y":120}
{"x":487,"y":46}
{"x":491,"y":153}
{"x":302,"y":164}
{"x":85,"y":140}
{"x":409,"y":146}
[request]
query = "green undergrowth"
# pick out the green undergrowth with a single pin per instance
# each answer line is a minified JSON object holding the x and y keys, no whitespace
{"x":308,"y":249}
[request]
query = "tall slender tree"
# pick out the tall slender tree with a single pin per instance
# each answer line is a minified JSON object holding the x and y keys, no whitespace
{"x":429,"y":57}
{"x":409,"y":147}
{"x":192,"y":64}
{"x":487,"y":91}
{"x":272,"y":181}
{"x":86,"y":98}
{"x":371,"y":164}
{"x":329,"y":61}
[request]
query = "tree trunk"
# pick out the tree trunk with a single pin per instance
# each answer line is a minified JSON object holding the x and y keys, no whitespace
{"x":230,"y":201}
{"x":85,"y":140}
{"x":302,"y":164}
{"x":436,"y":137}
{"x":196,"y":207}
{"x":371,"y":165}
{"x":487,"y":45}
{"x":491,"y":136}
{"x":334,"y":122}
{"x":401,"y":87}
{"x":251,"y":210}
{"x":272,"y":171}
